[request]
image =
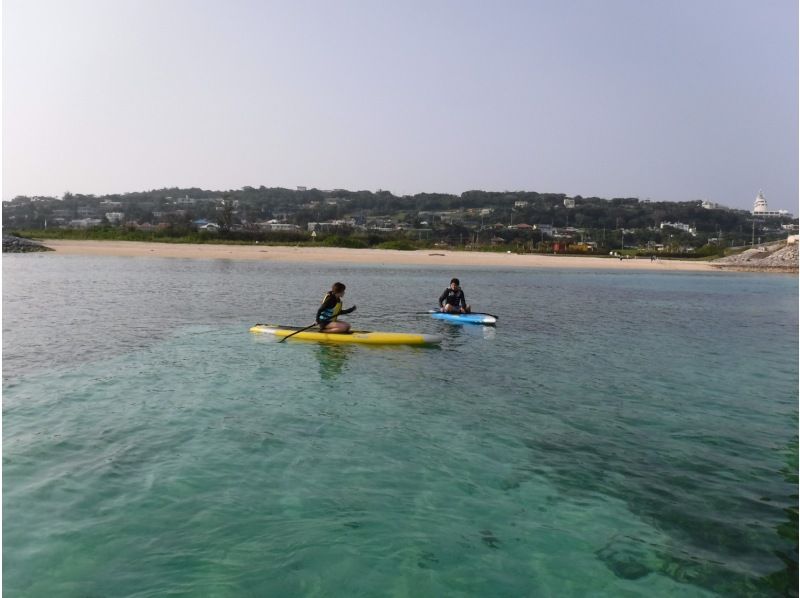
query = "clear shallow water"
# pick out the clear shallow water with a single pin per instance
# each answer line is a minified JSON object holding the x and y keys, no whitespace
{"x":617,"y":434}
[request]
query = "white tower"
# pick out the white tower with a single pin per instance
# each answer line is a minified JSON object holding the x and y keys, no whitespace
{"x":760,"y":205}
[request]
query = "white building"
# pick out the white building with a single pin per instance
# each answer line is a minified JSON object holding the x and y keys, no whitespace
{"x":272,"y":225}
{"x":712,"y":205}
{"x":760,"y":207}
{"x":679,"y":226}
{"x":85,"y":223}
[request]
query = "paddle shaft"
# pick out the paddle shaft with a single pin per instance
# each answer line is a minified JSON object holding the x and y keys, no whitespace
{"x":304,"y":329}
{"x":297,"y":332}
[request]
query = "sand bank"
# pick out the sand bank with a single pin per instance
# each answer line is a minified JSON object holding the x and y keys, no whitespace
{"x":363,"y":256}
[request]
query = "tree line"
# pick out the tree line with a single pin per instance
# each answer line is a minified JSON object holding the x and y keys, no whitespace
{"x":472,"y":217}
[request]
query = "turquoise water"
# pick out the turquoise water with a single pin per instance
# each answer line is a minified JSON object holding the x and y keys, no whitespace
{"x":617,"y":434}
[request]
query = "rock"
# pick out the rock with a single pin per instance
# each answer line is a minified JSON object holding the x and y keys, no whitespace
{"x":772,"y":258}
{"x":13,"y":244}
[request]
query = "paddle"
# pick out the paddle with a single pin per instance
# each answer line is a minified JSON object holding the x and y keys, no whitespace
{"x":297,"y":332}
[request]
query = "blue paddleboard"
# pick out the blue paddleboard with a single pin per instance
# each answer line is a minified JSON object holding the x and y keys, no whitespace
{"x":475,"y":318}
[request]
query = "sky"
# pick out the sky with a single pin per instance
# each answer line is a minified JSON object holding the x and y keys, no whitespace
{"x":671,"y":100}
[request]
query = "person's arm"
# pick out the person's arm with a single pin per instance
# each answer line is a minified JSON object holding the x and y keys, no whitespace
{"x":329,"y":301}
{"x":463,"y":300}
{"x":442,"y":297}
{"x":348,"y":310}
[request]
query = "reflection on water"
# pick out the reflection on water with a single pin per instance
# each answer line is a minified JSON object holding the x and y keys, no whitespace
{"x":332,"y":359}
{"x":488,"y":331}
{"x":458,"y":334}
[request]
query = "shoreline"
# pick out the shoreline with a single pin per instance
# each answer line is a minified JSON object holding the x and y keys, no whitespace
{"x":425,"y":257}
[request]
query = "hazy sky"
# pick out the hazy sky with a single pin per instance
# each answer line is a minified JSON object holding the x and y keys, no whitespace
{"x":668,"y":99}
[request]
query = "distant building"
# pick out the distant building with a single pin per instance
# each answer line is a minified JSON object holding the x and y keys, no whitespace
{"x":115,"y":217}
{"x":273,"y":225}
{"x":712,"y":205}
{"x":760,"y":207}
{"x":85,"y":223}
{"x":679,"y":226}
{"x":331,"y":225}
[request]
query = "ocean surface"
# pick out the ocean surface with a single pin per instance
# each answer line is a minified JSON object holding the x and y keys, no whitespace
{"x":619,"y":433}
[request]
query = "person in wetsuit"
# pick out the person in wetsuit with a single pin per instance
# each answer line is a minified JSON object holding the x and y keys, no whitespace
{"x":330,"y":309}
{"x":452,"y":300}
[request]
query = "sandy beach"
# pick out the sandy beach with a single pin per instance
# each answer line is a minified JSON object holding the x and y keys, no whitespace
{"x":363,"y":256}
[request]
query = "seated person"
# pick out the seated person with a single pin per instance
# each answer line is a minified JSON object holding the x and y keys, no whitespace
{"x":452,"y":299}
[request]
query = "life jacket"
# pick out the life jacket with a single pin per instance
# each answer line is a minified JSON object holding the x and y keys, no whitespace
{"x":330,"y":314}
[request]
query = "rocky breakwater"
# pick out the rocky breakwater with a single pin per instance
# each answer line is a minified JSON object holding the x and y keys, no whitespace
{"x":13,"y":244}
{"x":781,"y":257}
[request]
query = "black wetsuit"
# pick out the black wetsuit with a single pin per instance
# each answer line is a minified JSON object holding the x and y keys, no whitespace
{"x":452,"y":297}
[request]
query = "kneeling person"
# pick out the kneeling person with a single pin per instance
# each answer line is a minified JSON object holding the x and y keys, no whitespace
{"x":330,"y":309}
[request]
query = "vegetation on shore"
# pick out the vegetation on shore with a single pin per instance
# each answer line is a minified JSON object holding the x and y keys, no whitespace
{"x":520,"y":221}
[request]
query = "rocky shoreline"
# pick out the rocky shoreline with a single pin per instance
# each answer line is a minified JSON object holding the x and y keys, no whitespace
{"x":13,"y":244}
{"x":780,"y":257}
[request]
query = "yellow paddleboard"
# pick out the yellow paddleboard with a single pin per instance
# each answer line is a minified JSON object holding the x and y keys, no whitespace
{"x":354,"y":336}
